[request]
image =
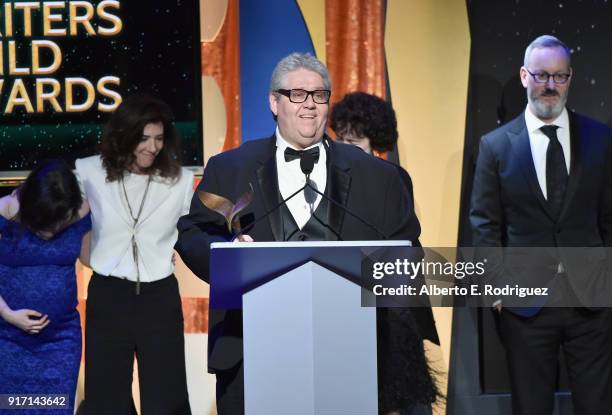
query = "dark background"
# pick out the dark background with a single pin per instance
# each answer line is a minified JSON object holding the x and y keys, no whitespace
{"x":157,"y":51}
{"x":500,"y":32}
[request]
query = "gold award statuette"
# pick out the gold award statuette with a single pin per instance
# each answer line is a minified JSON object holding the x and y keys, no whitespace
{"x":226,"y":208}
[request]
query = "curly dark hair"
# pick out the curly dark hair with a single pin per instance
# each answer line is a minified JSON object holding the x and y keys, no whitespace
{"x":48,"y":197}
{"x":366,"y":115}
{"x":123,"y":132}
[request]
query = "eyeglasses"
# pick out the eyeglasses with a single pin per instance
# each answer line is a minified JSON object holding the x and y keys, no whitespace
{"x":297,"y":96}
{"x":544,"y":77}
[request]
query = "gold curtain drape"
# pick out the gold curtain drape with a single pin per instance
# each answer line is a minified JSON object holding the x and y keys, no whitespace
{"x":355,"y":46}
{"x":221,"y":60}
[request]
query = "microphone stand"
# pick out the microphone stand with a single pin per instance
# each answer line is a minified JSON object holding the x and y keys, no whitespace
{"x":307,"y":165}
{"x":282,"y":202}
{"x":347,"y":210}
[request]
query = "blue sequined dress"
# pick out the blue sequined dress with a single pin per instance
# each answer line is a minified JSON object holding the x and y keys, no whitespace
{"x":40,"y":275}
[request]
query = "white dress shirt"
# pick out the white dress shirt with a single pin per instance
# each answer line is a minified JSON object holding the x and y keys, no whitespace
{"x":291,"y":178}
{"x":539,"y":143}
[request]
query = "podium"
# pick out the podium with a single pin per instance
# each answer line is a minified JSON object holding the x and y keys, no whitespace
{"x":309,"y":345}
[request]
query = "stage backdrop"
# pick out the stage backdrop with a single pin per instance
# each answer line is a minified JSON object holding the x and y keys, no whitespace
{"x":420,"y":51}
{"x":64,"y":66}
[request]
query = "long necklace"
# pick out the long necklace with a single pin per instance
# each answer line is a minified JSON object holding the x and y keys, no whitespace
{"x":135,"y":223}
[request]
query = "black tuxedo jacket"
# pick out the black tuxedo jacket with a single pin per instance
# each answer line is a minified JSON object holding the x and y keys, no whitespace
{"x":508,"y":207}
{"x":368,"y":187}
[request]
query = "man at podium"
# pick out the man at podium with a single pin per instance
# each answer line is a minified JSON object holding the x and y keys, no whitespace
{"x":350,"y":196}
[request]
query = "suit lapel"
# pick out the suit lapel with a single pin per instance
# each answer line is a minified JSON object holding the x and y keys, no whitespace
{"x":519,"y":139}
{"x":575,"y":172}
{"x":339,"y":183}
{"x":267,"y":181}
{"x":338,"y":179}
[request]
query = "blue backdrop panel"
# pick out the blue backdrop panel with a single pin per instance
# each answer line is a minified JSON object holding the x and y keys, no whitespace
{"x":269,"y":30}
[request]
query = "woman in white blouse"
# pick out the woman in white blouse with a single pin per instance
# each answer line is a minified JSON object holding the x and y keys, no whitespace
{"x":137,"y":191}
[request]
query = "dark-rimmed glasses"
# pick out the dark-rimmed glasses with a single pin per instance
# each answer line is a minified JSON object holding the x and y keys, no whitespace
{"x":297,"y":96}
{"x":544,"y":77}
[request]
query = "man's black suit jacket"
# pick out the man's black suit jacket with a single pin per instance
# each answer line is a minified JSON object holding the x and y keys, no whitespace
{"x":508,"y":207}
{"x":370,"y":188}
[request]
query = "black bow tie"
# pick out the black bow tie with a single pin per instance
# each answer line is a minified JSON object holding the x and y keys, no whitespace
{"x":291,"y":154}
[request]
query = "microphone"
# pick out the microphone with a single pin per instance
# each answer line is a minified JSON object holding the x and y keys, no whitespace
{"x":307,"y":163}
{"x":268,"y":213}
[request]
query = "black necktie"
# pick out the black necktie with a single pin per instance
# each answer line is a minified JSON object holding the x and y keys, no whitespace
{"x":556,"y":170}
{"x":291,"y":154}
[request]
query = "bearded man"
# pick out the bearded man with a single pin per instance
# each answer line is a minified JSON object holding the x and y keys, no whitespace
{"x":545,"y":180}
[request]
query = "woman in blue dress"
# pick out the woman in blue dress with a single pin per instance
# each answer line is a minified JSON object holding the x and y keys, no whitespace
{"x":42,"y":227}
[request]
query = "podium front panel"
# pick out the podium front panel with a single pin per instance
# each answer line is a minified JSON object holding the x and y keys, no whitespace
{"x":309,"y":346}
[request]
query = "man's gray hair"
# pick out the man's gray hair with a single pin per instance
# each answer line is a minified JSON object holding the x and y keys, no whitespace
{"x":546,"y":41}
{"x":294,"y":62}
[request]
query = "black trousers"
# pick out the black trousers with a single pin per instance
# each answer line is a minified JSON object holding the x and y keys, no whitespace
{"x":121,"y":325}
{"x":532,"y":347}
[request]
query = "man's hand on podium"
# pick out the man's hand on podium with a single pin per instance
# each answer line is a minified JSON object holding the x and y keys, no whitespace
{"x":243,"y":238}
